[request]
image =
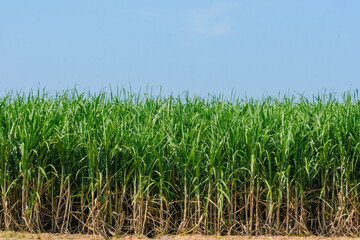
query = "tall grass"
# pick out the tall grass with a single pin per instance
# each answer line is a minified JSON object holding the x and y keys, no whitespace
{"x":127,"y":163}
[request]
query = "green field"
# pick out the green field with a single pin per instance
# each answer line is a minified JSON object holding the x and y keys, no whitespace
{"x":129,"y":163}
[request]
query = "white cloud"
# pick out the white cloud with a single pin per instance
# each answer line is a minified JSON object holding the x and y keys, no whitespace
{"x":212,"y":21}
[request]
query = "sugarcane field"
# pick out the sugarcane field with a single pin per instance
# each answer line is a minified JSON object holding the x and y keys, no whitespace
{"x":116,"y":164}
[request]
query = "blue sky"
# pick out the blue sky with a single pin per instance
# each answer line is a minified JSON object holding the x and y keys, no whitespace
{"x":251,"y":47}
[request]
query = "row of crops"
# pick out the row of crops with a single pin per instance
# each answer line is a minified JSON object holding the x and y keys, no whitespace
{"x":128,"y":163}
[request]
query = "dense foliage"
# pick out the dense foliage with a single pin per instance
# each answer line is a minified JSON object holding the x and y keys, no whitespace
{"x":125,"y":163}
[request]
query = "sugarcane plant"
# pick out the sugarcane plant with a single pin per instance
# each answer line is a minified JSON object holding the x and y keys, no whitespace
{"x":119,"y":162}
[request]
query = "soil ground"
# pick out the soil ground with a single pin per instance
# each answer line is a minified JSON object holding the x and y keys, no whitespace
{"x":45,"y":236}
